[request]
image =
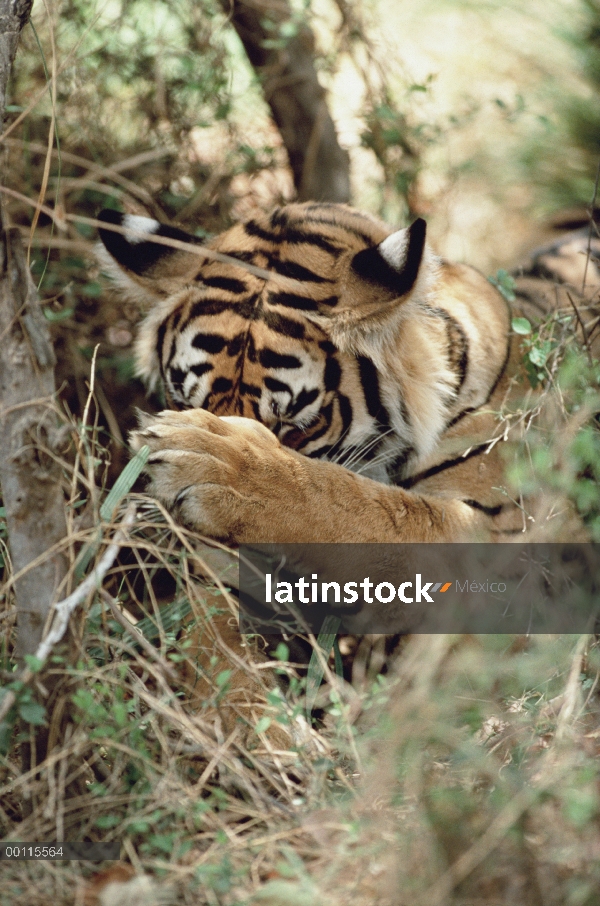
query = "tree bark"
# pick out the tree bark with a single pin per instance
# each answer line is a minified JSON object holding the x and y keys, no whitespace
{"x":13,"y":16}
{"x":30,"y":475}
{"x":30,"y":479}
{"x":291,"y":87}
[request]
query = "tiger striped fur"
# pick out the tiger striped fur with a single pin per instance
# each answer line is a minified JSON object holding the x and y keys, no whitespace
{"x":349,"y":395}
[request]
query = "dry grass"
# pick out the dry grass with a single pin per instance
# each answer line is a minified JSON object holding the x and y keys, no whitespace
{"x":468,"y":775}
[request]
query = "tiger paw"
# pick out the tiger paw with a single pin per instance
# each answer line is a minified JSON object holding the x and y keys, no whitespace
{"x":223,"y":477}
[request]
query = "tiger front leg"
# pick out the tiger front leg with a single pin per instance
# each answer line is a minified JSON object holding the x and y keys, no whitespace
{"x":230,"y":479}
{"x":227,"y":478}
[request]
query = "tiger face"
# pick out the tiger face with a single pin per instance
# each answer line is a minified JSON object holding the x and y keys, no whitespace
{"x":350,"y":343}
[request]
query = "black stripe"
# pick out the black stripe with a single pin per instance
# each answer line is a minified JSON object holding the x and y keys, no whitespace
{"x":277,"y":386}
{"x":236,"y":345}
{"x":326,"y":415}
{"x":173,"y":348}
{"x":281,"y":324}
{"x":347,"y":213}
{"x":250,"y":390}
{"x":345,"y":408}
{"x":295,"y":271}
{"x":227,"y":283}
{"x":291,"y":300}
{"x":201,"y":369}
{"x":332,"y":451}
{"x":176,"y":378}
{"x":458,"y":344}
{"x":370,"y":383}
{"x":211,"y":306}
{"x":304,"y":399}
{"x":209,"y":342}
{"x":412,"y":480}
{"x":497,"y":380}
{"x":221,"y":385}
{"x":250,"y":348}
{"x":502,"y":368}
{"x":396,"y":467}
{"x":460,"y":416}
{"x":247,"y":257}
{"x":279,"y":218}
{"x":333,"y":374}
{"x":207,"y":307}
{"x":176,"y":318}
{"x":488,"y":510}
{"x":328,"y":347}
{"x":252,"y":228}
{"x":297,"y":237}
{"x":270,"y":359}
{"x":160,"y":339}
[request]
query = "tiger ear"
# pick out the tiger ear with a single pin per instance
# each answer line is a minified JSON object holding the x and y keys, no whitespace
{"x":375,"y":287}
{"x":137,"y":261}
{"x":393,"y":264}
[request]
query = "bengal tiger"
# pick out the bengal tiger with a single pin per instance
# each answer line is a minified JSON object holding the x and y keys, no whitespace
{"x":328,"y":380}
{"x":344,"y":385}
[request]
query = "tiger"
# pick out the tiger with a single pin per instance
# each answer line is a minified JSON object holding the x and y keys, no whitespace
{"x":327,"y":379}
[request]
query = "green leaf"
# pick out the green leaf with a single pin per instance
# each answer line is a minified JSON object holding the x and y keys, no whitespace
{"x":33,"y":662}
{"x":263,"y":724}
{"x":282,"y":652}
{"x":33,"y":713}
{"x":223,"y":678}
{"x":538,"y":356}
{"x":580,"y":806}
{"x":521,"y":326}
{"x":107,"y":821}
{"x":55,"y":316}
{"x":505,"y":284}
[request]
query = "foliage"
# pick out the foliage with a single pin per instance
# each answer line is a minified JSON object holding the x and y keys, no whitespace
{"x":472,"y":765}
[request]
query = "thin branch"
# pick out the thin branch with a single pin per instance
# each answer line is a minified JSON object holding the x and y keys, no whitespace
{"x":62,"y":611}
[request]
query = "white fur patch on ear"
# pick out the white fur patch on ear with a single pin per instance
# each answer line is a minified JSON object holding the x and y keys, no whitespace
{"x":139,"y":225}
{"x":393,"y":249}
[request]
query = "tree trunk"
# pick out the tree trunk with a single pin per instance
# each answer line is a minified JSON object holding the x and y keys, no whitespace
{"x":30,"y":479}
{"x":13,"y":16}
{"x":30,"y":474}
{"x":285,"y":67}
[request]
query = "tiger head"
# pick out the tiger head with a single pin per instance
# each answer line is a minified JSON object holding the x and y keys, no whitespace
{"x":314,"y":320}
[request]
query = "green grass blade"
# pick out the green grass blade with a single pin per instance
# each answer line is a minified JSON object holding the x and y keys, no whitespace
{"x":124,"y":483}
{"x":326,"y":640}
{"x":122,"y":486}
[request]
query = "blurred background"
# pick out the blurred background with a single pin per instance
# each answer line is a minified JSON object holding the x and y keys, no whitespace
{"x":481,"y":116}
